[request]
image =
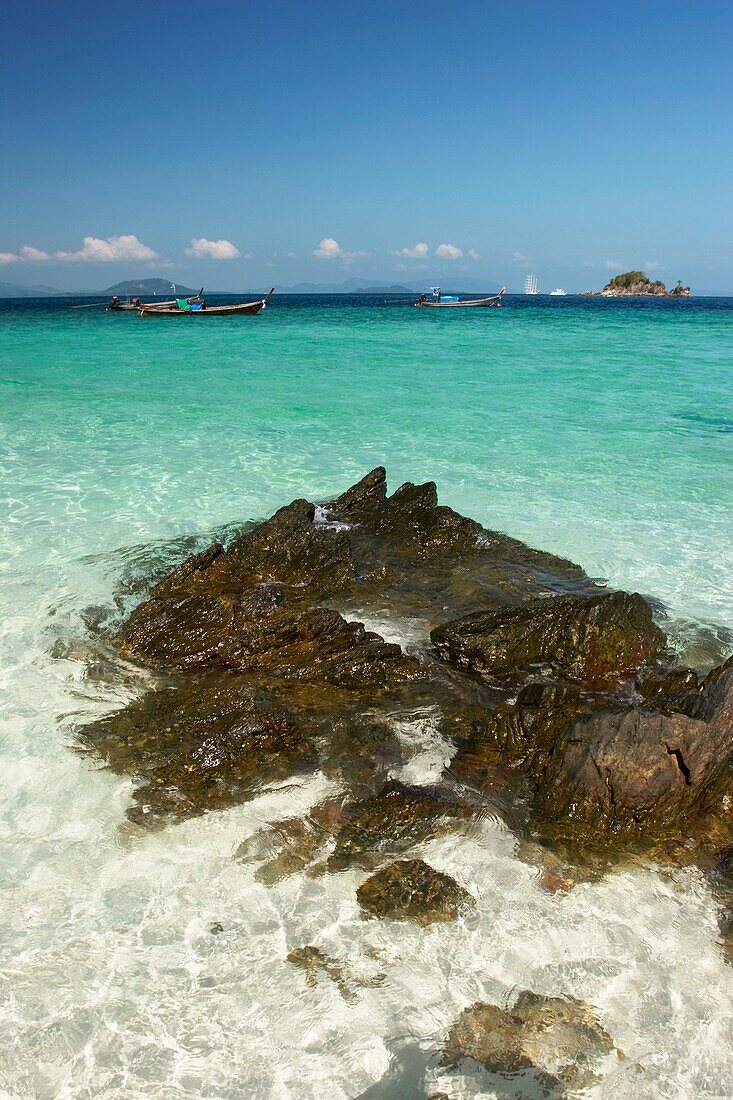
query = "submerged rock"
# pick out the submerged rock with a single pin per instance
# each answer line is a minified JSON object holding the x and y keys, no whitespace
{"x":396,"y":819}
{"x":558,"y":1036}
{"x":594,"y":639}
{"x":286,"y":847}
{"x":313,"y":961}
{"x":411,"y":890}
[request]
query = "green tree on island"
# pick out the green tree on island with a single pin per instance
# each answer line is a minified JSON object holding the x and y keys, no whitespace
{"x":631,"y":278}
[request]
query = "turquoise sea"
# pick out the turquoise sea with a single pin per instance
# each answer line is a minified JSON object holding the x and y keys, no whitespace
{"x":600,"y":430}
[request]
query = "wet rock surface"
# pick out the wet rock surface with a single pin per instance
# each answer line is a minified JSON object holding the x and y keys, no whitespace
{"x":596,"y":640}
{"x":203,"y":745}
{"x":557,"y":699}
{"x":395,"y":820}
{"x":559,"y":1037}
{"x":410,"y":889}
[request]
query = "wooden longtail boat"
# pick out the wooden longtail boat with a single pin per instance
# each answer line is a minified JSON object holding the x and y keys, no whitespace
{"x":245,"y":308}
{"x":116,"y":306}
{"x":454,"y":303}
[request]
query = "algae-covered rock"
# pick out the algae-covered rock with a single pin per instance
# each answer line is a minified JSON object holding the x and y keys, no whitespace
{"x":203,"y":745}
{"x":410,"y":889}
{"x":594,"y":639}
{"x":411,"y":520}
{"x":318,"y":644}
{"x":194,"y":611}
{"x":396,"y":819}
{"x":559,"y":1036}
{"x":675,"y":690}
{"x":600,"y":744}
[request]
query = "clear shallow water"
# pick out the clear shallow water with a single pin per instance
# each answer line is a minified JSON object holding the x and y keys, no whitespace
{"x":602,"y":431}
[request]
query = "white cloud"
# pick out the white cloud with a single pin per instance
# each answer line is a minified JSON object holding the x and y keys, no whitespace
{"x":109,"y":250}
{"x":611,"y":265}
{"x":473,"y":254}
{"x":28,"y":253}
{"x":588,"y":263}
{"x":653,"y":265}
{"x":419,"y":252}
{"x":521,"y":259}
{"x":448,"y":252}
{"x":328,"y":249}
{"x":202,"y":249}
{"x":94,"y":249}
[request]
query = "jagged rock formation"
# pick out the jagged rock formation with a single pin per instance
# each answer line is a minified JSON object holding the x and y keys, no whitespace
{"x":560,"y":697}
{"x":597,"y":640}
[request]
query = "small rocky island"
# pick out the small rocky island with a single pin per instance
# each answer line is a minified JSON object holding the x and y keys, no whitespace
{"x":635,"y":284}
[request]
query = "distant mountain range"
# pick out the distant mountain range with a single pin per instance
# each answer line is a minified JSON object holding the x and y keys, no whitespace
{"x":361,"y":286}
{"x":14,"y":290}
{"x":162,"y":287}
{"x":149,"y":287}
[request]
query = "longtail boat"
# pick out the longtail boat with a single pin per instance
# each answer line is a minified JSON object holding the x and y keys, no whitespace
{"x":438,"y":301}
{"x":116,"y":306}
{"x":196,"y":309}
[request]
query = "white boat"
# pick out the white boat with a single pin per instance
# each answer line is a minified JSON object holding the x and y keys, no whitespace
{"x":530,"y":284}
{"x":558,"y":292}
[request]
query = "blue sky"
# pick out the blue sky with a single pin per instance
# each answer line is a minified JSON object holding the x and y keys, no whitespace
{"x":221,"y":143}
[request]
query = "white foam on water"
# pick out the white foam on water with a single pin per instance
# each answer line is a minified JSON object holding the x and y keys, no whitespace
{"x":410,"y":633}
{"x":323,"y":520}
{"x":426,"y":751}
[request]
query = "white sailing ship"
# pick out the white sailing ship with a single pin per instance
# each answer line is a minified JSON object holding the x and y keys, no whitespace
{"x":530,"y":284}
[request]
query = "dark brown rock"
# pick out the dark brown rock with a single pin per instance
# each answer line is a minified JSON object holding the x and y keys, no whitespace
{"x":290,"y":548}
{"x":411,"y":890}
{"x":594,"y":639}
{"x":410,"y":521}
{"x":676,"y":690}
{"x":273,"y":681}
{"x":317,"y":644}
{"x":637,"y":776}
{"x":191,"y":614}
{"x":396,"y":819}
{"x":522,"y":734}
{"x":559,"y":1036}
{"x":204,"y":745}
{"x":361,"y":500}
